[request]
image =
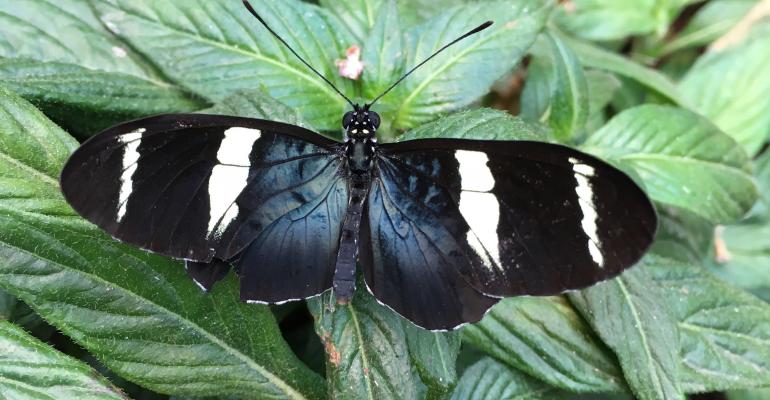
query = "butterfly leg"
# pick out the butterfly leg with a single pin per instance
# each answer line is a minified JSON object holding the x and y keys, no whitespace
{"x":345,"y":269}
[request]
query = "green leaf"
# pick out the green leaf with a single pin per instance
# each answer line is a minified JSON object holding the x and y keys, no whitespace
{"x":366,"y":348}
{"x":415,"y":12}
{"x":64,"y":31}
{"x":724,"y":332}
{"x":633,"y":318}
{"x":747,"y":259}
{"x":434,"y":354}
{"x":215,"y":48}
{"x":257,"y":104}
{"x":466,"y":71}
{"x":7,"y":305}
{"x":747,"y":244}
{"x":383,"y":52}
{"x":602,"y":87}
{"x":682,"y":159}
{"x":730,"y":87}
{"x":558,"y":94}
{"x":488,"y":379}
{"x":610,"y":19}
{"x":547,"y":339}
{"x":708,"y":24}
{"x":77,"y":72}
{"x":126,"y":306}
{"x":483,"y":123}
{"x":682,"y":235}
{"x":592,"y":56}
{"x":86,"y":101}
{"x":359,"y":16}
{"x":761,"y":210}
{"x":755,"y":394}
{"x":30,"y":369}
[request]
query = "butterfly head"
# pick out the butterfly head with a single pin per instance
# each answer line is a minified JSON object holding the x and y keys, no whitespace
{"x":361,"y":123}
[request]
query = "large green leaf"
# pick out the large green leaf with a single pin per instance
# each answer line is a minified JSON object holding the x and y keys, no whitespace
{"x":359,"y":16}
{"x":414,"y":12}
{"x":592,"y":56}
{"x":556,"y":90}
{"x":612,"y":19}
{"x":634,"y":319}
{"x":215,"y":48}
{"x":682,"y":159}
{"x":64,"y":31}
{"x":366,"y":348}
{"x":257,"y":104}
{"x":724,"y":332}
{"x":383,"y":52}
{"x":434,"y":354}
{"x":85,"y":101}
{"x":547,"y":339}
{"x":30,"y":369}
{"x":484,"y":123}
{"x":488,"y":379}
{"x":137,"y":312}
{"x":75,"y":70}
{"x":730,"y":87}
{"x":464,"y":72}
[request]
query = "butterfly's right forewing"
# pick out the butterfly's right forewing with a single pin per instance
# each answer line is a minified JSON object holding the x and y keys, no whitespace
{"x":206,"y":188}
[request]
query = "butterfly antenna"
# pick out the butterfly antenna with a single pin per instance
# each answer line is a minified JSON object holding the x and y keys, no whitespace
{"x":262,"y":21}
{"x":475,"y":30}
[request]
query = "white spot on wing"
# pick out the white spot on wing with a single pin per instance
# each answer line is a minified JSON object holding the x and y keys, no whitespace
{"x":480,"y":208}
{"x":585,"y":194}
{"x":229,"y":178}
{"x":131,"y":142}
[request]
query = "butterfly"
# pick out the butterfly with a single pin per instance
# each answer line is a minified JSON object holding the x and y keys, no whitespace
{"x":441,"y":228}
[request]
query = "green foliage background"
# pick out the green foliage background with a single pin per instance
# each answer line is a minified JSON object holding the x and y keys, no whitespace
{"x":645,"y":85}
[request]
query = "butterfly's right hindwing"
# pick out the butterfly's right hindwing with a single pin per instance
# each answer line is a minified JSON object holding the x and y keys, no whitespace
{"x":199,"y":187}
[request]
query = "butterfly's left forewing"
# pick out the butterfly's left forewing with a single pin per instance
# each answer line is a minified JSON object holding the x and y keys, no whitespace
{"x":206,"y":188}
{"x":502,"y":218}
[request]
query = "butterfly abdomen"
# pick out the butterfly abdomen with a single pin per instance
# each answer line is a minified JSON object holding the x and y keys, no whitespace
{"x":344,"y":282}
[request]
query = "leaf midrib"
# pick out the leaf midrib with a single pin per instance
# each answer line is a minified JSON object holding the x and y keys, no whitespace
{"x":658,"y":386}
{"x":279,"y":383}
{"x":21,"y":165}
{"x":362,"y":350}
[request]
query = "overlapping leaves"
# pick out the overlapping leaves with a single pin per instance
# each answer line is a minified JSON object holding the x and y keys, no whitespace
{"x":58,"y":55}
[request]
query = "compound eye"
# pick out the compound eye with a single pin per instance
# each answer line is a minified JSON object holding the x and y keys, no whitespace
{"x":375,"y":119}
{"x":347,"y":119}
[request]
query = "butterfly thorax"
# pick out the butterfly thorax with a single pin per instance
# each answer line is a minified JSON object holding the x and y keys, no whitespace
{"x":360,"y":127}
{"x":359,"y":154}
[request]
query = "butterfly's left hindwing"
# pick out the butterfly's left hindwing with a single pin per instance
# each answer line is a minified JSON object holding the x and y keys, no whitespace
{"x":498,"y":218}
{"x":206,"y":188}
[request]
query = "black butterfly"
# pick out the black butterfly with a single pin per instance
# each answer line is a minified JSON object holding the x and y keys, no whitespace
{"x":442,"y":228}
